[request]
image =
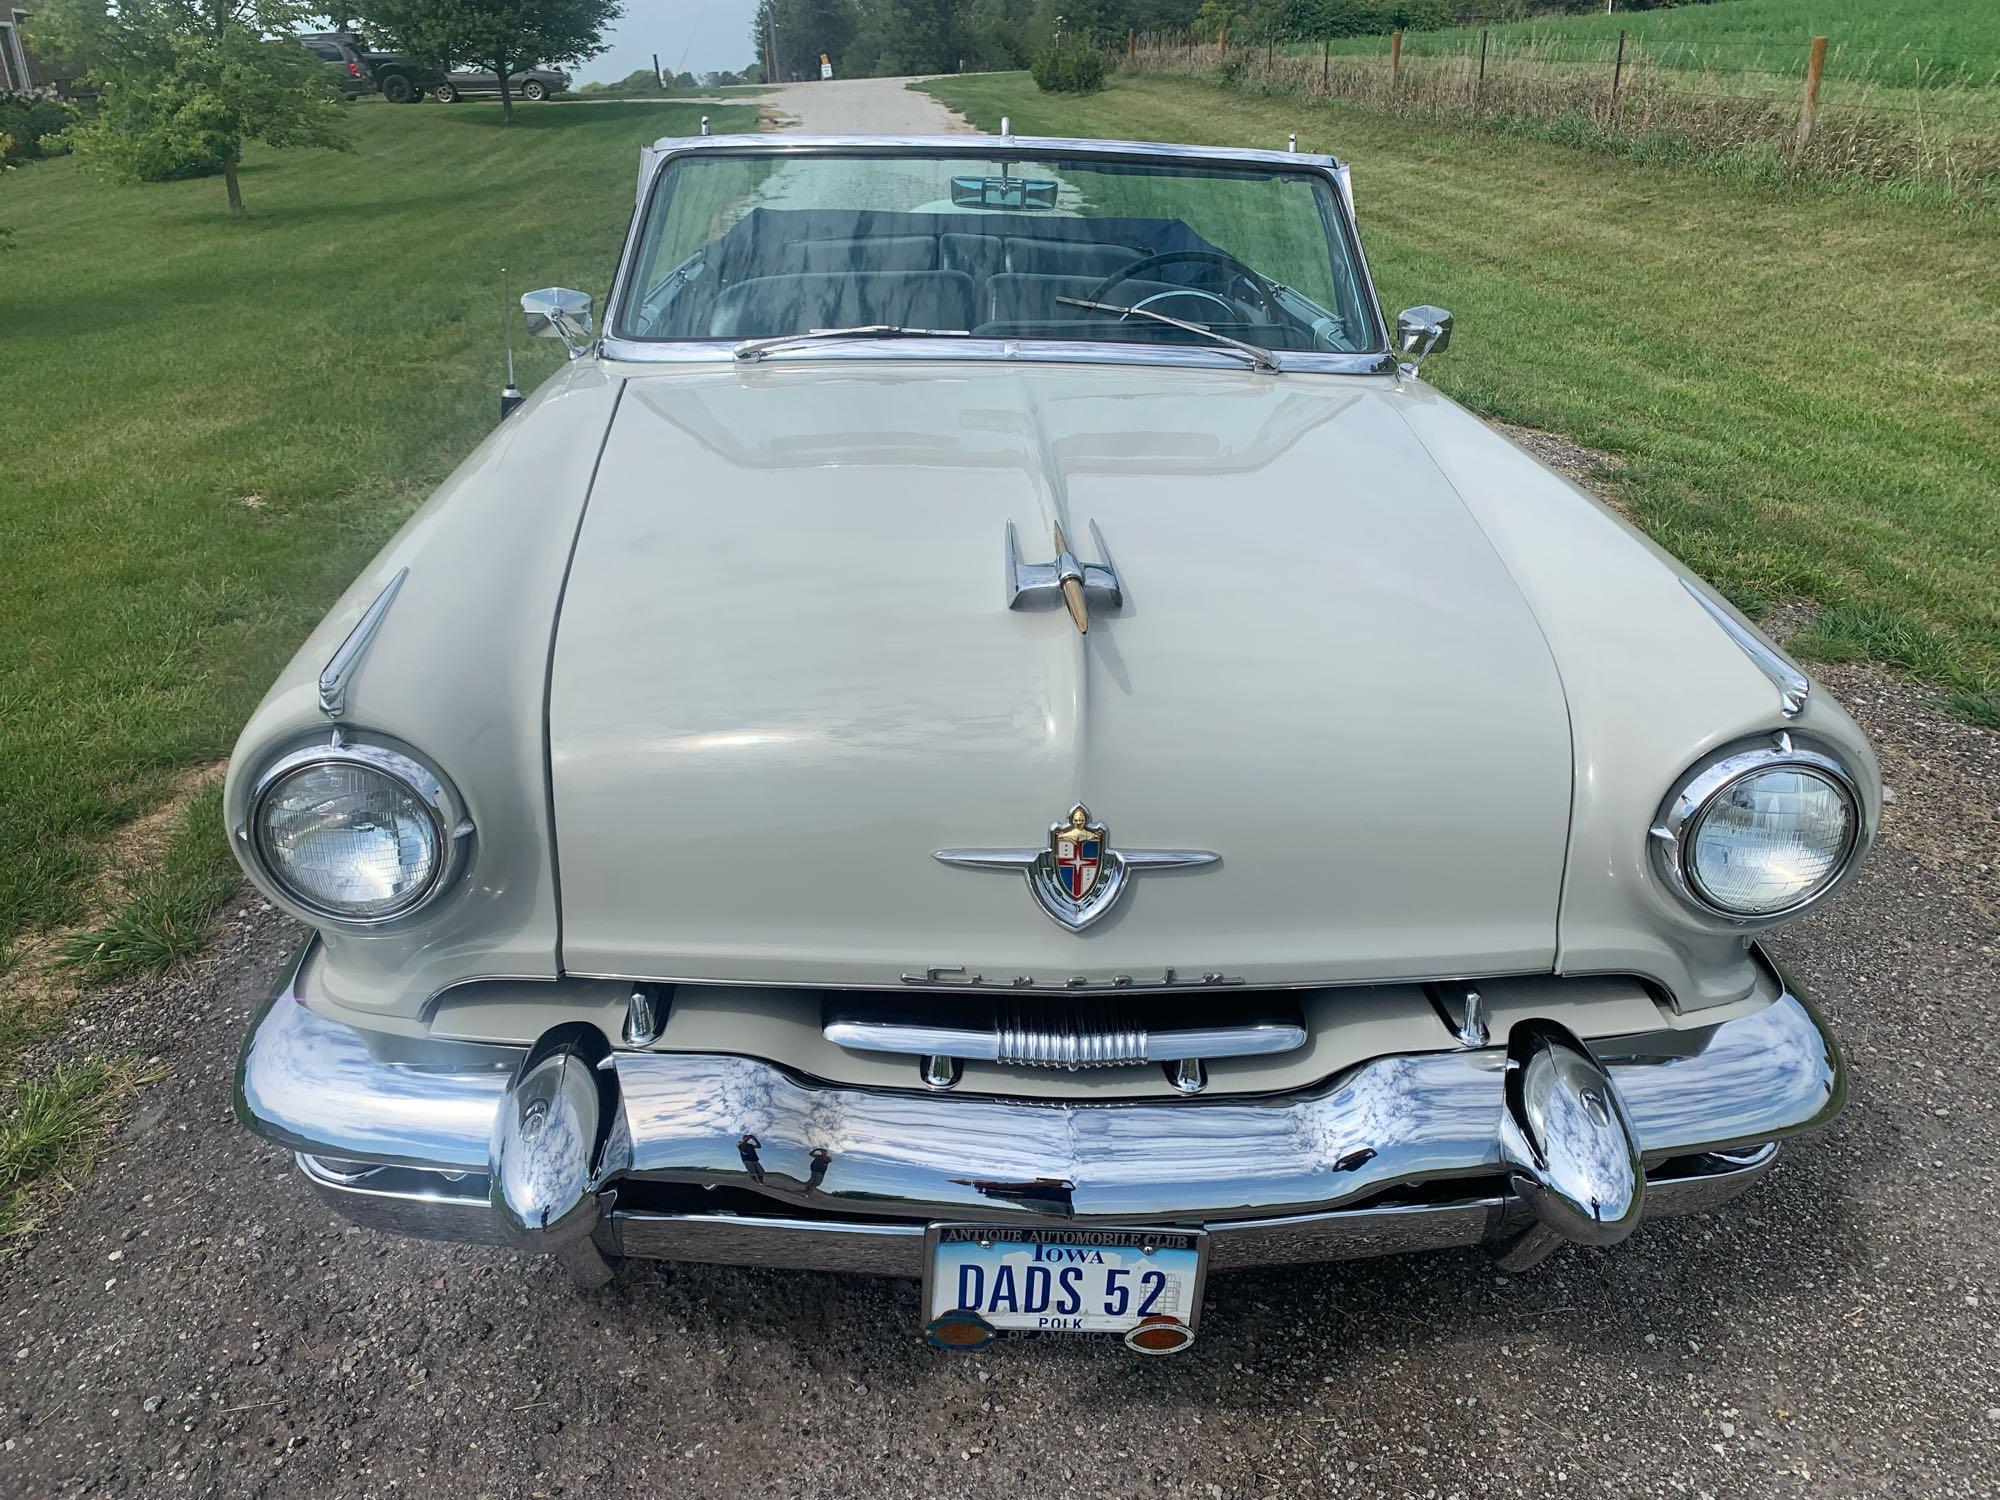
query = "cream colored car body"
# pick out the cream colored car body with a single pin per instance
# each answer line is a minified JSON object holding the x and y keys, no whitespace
{"x":718,"y":659}
{"x":1423,"y":695}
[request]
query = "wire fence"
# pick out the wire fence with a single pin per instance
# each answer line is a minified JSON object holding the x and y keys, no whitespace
{"x":1816,"y":113}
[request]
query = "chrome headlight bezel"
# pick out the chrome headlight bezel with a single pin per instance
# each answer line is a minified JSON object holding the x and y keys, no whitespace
{"x":1698,"y":789}
{"x":440,"y":801}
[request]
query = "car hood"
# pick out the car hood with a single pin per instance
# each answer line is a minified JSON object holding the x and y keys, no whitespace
{"x":786,"y":673}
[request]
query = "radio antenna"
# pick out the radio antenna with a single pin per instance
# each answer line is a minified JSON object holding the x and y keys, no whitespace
{"x":510,"y":394}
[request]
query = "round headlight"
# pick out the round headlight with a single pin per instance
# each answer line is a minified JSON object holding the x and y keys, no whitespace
{"x":357,"y":833}
{"x":1762,"y":833}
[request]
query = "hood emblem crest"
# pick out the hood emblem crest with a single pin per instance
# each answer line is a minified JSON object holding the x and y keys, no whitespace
{"x":1076,"y":877}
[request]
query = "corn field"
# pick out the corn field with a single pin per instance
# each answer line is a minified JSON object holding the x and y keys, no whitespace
{"x":1942,"y":142}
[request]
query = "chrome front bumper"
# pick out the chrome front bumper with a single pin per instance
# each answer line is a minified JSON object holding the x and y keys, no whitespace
{"x":573,"y":1149}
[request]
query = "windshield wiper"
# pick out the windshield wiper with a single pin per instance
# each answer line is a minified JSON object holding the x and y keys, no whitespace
{"x":752,"y":349}
{"x":1261,"y":358}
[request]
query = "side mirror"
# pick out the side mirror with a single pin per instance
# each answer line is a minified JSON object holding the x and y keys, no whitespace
{"x":556,"y":312}
{"x":1421,"y":331}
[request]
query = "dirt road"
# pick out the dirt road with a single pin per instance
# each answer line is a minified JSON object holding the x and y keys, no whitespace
{"x":861,"y":106}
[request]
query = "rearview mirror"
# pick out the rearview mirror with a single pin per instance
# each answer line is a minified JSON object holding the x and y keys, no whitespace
{"x":1032,"y":193}
{"x":556,"y":312}
{"x":1421,"y":331}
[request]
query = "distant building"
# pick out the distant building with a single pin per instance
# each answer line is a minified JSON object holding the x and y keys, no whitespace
{"x":22,"y":69}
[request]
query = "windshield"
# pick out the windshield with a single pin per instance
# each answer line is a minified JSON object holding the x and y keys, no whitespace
{"x":737,"y":247}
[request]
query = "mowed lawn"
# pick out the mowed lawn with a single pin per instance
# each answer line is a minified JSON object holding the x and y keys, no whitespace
{"x":1803,"y":388}
{"x":1892,"y":43}
{"x":1931,"y":65}
{"x":210,"y":425}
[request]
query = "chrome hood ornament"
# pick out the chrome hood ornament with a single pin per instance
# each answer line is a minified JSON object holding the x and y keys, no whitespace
{"x":1075,"y":581}
{"x":1078,"y":876}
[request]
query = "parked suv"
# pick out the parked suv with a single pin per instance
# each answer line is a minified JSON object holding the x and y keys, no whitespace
{"x":400,"y":80}
{"x":338,"y":52}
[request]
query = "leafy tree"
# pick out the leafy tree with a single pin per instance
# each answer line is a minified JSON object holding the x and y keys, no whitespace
{"x":1214,"y":15}
{"x":501,"y":36}
{"x":184,"y":83}
{"x":996,"y":33}
{"x":803,"y":29}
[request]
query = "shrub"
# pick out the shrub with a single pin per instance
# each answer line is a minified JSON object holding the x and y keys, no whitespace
{"x":31,"y":124}
{"x":1069,"y":66}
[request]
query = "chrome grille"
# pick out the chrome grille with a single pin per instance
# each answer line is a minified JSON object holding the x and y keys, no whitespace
{"x":1071,"y":1042}
{"x":1066,"y":1034}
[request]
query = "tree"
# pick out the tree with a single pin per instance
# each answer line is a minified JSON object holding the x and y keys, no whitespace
{"x":501,"y":36}
{"x":800,"y":30}
{"x":184,"y":83}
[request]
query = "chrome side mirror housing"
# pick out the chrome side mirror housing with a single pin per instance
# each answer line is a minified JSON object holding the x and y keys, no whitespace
{"x":556,"y":312}
{"x":1421,"y":331}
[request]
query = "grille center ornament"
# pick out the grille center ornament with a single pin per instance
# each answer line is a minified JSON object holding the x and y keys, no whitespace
{"x":1077,"y":877}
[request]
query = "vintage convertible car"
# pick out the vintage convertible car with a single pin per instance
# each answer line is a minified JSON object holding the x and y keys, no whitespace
{"x":990,"y":728}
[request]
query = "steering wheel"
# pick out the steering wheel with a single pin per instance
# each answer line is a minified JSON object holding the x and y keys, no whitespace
{"x":1266,"y":297}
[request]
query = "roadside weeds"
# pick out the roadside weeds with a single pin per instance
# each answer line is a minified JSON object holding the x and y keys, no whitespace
{"x":51,"y":1129}
{"x":164,"y":914}
{"x":152,"y":910}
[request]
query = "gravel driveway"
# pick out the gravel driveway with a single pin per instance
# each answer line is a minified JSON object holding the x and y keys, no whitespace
{"x":193,"y":1323}
{"x":861,"y":106}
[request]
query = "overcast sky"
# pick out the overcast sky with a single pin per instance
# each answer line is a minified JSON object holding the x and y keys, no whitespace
{"x":699,"y":36}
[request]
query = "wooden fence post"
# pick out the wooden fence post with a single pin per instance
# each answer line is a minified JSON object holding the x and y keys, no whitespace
{"x":1222,"y":41}
{"x":1325,"y":62}
{"x":1395,"y":57}
{"x":1617,"y":76}
{"x":1270,"y":51}
{"x":1131,"y":41}
{"x":1479,"y":94}
{"x":1815,"y":68}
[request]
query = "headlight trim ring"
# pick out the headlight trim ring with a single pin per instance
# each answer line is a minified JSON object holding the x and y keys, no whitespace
{"x":1707,"y":780}
{"x":450,"y":825}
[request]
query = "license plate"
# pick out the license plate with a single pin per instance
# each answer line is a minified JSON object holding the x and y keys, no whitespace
{"x":985,"y":1279}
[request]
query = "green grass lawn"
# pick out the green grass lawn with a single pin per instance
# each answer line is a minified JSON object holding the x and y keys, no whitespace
{"x":1893,"y":43}
{"x":210,"y":425}
{"x":1934,"y":60}
{"x":1802,"y":386}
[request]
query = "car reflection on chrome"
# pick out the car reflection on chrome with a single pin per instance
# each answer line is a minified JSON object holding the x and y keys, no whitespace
{"x":989,"y":726}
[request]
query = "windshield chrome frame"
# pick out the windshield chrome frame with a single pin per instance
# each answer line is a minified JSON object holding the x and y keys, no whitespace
{"x":1380,"y":359}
